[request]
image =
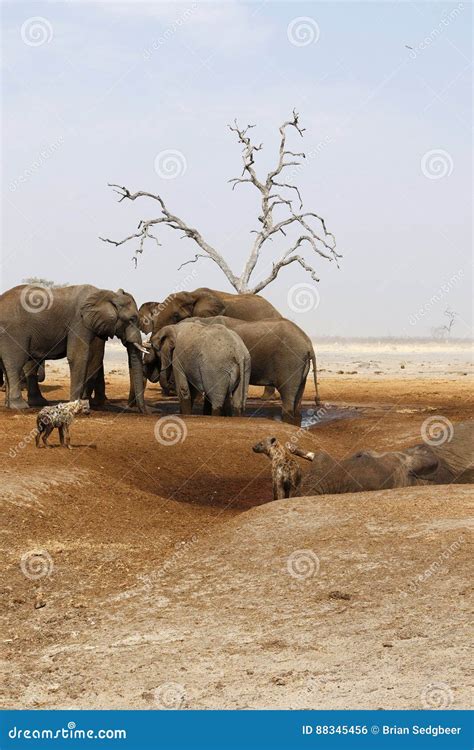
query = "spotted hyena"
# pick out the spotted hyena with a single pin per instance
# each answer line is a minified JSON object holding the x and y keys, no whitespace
{"x":286,"y":474}
{"x":60,"y":416}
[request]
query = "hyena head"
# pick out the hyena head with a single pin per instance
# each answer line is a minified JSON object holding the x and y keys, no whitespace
{"x":266,"y":446}
{"x":82,"y":406}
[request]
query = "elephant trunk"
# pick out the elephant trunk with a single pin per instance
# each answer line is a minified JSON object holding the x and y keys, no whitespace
{"x":151,"y":367}
{"x":136,"y":375}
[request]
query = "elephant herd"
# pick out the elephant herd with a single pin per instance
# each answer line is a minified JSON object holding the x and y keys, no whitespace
{"x":202,"y":342}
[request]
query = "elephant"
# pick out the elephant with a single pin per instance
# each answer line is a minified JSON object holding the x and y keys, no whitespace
{"x":280,"y":353}
{"x":206,"y":303}
{"x":214,"y":362}
{"x":38,"y":324}
{"x":451,"y":462}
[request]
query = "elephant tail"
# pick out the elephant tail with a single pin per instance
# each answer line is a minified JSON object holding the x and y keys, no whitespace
{"x":312,"y":357}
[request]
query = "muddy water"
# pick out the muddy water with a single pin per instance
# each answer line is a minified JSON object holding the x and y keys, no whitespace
{"x":312,"y":415}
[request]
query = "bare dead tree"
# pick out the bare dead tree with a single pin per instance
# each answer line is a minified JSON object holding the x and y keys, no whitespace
{"x":275,"y":198}
{"x":445,"y":331}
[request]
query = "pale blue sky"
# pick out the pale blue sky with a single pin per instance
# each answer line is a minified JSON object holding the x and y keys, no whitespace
{"x":114,"y":84}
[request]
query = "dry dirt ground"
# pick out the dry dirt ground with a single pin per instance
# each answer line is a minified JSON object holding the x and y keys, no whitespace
{"x":170,"y":579}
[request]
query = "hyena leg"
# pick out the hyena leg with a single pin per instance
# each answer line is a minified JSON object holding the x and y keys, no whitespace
{"x":278,"y":491}
{"x":61,"y":435}
{"x":37,"y":437}
{"x":68,"y":437}
{"x":47,"y":432}
{"x":296,"y":487}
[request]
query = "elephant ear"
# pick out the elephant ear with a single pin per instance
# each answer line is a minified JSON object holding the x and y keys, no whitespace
{"x":198,"y":305}
{"x":421,"y":461}
{"x":100,"y":311}
{"x":207,"y":305}
{"x":164,"y":342}
{"x":146,"y":314}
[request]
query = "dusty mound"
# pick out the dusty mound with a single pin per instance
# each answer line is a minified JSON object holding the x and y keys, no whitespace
{"x":354,"y":601}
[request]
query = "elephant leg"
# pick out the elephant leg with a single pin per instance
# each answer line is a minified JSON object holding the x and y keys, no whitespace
{"x":269,"y":393}
{"x":13,"y":367}
{"x":297,"y":401}
{"x":99,"y":398}
{"x":288,"y":406}
{"x":227,"y":410}
{"x":94,"y":388}
{"x":131,"y":393}
{"x":78,"y":357}
{"x":35,"y":397}
{"x":194,"y":393}
{"x":183,"y":391}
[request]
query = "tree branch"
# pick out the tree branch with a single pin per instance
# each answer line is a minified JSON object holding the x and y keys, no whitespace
{"x":273,"y":199}
{"x":174,"y":222}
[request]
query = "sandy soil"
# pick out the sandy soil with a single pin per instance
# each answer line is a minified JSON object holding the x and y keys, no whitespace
{"x":173,"y":581}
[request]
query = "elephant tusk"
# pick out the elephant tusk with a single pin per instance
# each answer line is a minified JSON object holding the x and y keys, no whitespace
{"x":141,"y":348}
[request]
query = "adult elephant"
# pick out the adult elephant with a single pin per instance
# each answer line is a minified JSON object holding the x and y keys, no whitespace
{"x":280,"y":353}
{"x":213,"y":362}
{"x":451,"y":462}
{"x":206,"y":303}
{"x":38,"y":324}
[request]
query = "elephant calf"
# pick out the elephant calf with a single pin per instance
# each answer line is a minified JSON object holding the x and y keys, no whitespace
{"x":214,"y":362}
{"x":451,"y":462}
